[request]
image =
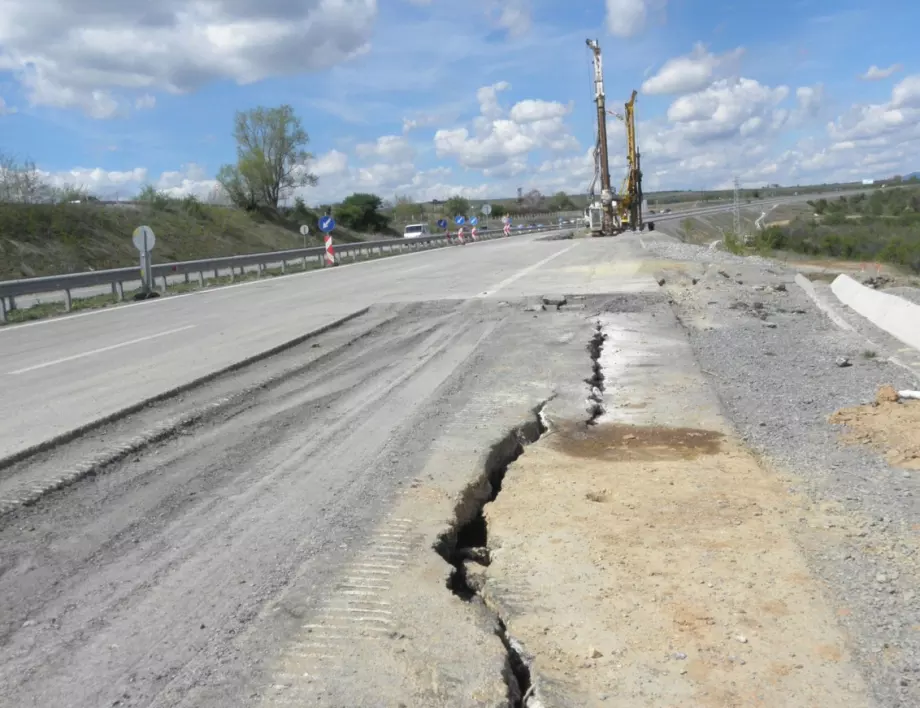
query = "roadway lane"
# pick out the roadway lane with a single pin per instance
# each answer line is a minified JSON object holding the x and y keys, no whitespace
{"x":63,"y":373}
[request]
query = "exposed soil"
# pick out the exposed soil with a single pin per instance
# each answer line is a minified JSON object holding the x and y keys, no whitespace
{"x":652,"y":566}
{"x":887,"y":425}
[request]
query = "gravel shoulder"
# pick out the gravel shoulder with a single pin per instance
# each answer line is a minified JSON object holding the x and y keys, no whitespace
{"x":771,"y":356}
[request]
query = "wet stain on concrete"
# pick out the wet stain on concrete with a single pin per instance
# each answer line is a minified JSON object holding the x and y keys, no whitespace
{"x":621,"y":442}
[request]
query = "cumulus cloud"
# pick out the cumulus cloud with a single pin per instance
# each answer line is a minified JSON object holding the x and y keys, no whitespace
{"x":627,"y":18}
{"x":392,"y":148}
{"x":691,"y":72}
{"x":512,"y":15}
{"x":874,"y":73}
{"x":87,"y":56}
{"x":501,"y":141}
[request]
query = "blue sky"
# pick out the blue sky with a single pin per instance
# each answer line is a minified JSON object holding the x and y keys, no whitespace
{"x":115,"y":94}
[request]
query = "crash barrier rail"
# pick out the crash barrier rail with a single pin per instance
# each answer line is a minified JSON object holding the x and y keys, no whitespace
{"x":230,"y":265}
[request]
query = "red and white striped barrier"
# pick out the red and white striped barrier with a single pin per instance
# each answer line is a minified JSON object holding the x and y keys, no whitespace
{"x":460,"y":236}
{"x":330,"y":254}
{"x":473,"y":233}
{"x":507,"y":229}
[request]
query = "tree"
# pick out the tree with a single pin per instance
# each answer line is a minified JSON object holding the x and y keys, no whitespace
{"x":361,"y":212}
{"x":457,"y":206}
{"x":561,"y":201}
{"x":22,"y":182}
{"x":405,"y":210}
{"x":271,"y":159}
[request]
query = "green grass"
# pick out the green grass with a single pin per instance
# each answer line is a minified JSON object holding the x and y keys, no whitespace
{"x":45,"y":239}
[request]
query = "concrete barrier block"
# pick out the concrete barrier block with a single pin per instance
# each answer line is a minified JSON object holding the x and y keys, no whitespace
{"x":897,"y":316}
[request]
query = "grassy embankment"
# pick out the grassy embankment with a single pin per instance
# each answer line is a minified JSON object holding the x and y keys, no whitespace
{"x":46,"y":239}
{"x":882,"y":227}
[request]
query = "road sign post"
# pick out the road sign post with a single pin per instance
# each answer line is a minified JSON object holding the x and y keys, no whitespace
{"x":144,"y":240}
{"x":305,"y":231}
{"x":326,"y":224}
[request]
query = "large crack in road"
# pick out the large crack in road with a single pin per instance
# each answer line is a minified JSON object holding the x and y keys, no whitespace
{"x":466,"y":547}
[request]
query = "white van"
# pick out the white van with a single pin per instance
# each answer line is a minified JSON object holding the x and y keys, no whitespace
{"x":416,"y":230}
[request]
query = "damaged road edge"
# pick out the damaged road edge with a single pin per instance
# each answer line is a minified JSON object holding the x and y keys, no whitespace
{"x":596,"y":384}
{"x":465,"y":546}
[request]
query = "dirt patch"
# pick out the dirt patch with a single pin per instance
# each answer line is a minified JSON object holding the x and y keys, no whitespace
{"x":888,"y":425}
{"x":636,"y":442}
{"x":653,"y":567}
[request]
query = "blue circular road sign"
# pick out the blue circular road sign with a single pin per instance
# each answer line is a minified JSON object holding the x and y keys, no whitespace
{"x":459,"y":220}
{"x":326,"y":224}
{"x":442,"y":223}
{"x":474,"y":221}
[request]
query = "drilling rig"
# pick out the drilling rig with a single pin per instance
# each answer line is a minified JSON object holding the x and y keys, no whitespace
{"x":613,"y":213}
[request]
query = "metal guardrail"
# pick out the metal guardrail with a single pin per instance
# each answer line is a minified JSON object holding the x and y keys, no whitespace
{"x":203,"y":268}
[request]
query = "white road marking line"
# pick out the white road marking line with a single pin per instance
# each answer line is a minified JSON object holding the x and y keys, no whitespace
{"x":101,"y":350}
{"x":521,"y":273}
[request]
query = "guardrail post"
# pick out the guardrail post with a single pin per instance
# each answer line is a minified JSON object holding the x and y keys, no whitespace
{"x":68,"y":301}
{"x":164,"y":284}
{"x":304,"y":262}
{"x":216,"y":276}
{"x":118,"y":290}
{"x":200,"y":279}
{"x":186,"y":279}
{"x":283,"y":267}
{"x":2,"y":309}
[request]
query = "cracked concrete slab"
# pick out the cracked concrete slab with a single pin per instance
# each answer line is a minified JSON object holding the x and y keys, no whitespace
{"x":646,"y":560}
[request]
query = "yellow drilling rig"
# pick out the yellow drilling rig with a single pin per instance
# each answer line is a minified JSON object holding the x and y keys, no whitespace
{"x":614,"y":213}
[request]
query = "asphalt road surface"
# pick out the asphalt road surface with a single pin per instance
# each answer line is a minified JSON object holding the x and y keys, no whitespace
{"x":59,"y":374}
{"x":187,"y":573}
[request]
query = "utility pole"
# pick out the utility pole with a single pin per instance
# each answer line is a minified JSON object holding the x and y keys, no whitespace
{"x":600,"y":100}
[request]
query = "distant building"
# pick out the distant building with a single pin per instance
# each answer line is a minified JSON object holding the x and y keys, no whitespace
{"x":868,"y":181}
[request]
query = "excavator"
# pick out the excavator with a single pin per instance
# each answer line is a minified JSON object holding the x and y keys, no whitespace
{"x":614,"y":213}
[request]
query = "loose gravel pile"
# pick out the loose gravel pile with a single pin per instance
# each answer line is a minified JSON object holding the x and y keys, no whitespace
{"x":781,"y":368}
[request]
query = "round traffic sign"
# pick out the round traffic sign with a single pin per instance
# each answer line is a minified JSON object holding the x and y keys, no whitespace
{"x":326,"y":224}
{"x":486,"y":209}
{"x":459,"y":220}
{"x":143,"y":239}
{"x":474,"y":220}
{"x":304,"y":230}
{"x":442,"y":223}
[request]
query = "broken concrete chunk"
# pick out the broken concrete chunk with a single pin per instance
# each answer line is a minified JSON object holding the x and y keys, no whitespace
{"x":475,"y":576}
{"x":842,"y":361}
{"x":780,"y":288}
{"x":594,"y":653}
{"x":534,"y":308}
{"x":477,"y":554}
{"x":554,"y":300}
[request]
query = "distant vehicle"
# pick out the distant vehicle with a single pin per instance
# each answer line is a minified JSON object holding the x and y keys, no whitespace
{"x":416,"y":230}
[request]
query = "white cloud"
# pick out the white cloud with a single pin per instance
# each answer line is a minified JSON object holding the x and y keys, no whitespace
{"x":389,"y":148}
{"x":743,"y":107}
{"x":513,"y":15}
{"x":5,"y":110}
{"x":500,"y":141}
{"x":691,"y":72}
{"x":627,"y":18}
{"x":874,"y":73}
{"x":532,"y":110}
{"x":87,"y":55}
{"x":906,"y":94}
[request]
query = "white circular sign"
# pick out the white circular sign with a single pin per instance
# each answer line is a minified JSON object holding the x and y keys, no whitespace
{"x":304,"y":230}
{"x":486,"y":209}
{"x":140,"y":234}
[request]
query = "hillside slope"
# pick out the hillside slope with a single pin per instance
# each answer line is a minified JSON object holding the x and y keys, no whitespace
{"x":44,"y":239}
